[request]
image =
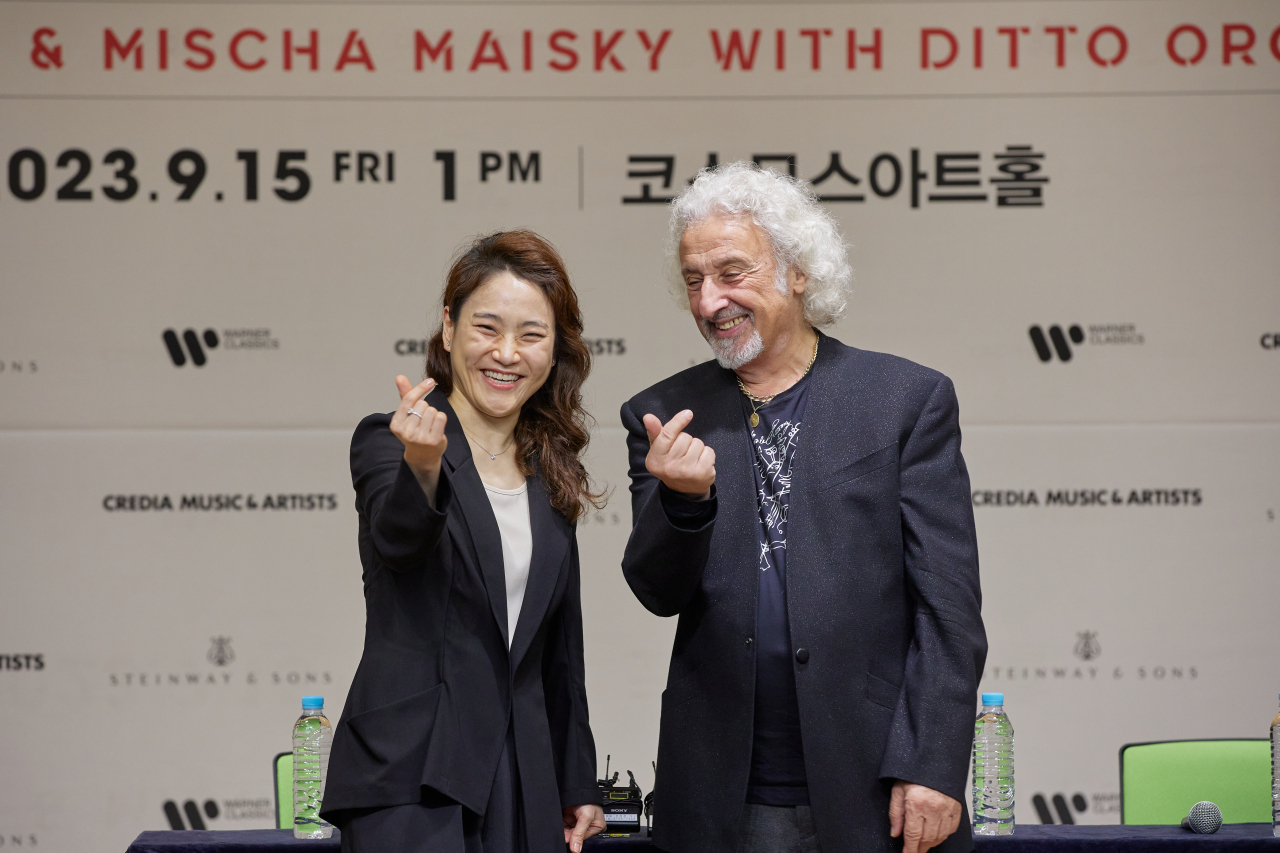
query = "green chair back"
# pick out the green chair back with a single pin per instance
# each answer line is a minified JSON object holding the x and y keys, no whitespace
{"x":282,"y":766}
{"x":1160,"y":782}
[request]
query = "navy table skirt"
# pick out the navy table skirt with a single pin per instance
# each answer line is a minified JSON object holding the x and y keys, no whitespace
{"x":1232,"y":838}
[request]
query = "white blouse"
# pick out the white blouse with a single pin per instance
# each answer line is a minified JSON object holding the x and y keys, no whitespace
{"x":511,"y":508}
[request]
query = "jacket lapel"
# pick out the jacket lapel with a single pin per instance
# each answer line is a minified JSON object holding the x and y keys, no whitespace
{"x":551,"y":538}
{"x":826,"y":412}
{"x":476,"y":518}
{"x":830,"y":415}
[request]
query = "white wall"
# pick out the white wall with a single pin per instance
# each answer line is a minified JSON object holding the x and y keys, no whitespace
{"x":1108,"y":622}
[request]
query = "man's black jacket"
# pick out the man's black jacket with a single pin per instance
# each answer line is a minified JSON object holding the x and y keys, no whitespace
{"x":882,"y":594}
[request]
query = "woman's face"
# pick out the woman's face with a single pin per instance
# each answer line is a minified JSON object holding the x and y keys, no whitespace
{"x":501,"y":345}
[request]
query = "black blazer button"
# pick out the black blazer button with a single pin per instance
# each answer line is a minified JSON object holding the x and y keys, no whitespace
{"x":748,"y":641}
{"x":802,"y":655}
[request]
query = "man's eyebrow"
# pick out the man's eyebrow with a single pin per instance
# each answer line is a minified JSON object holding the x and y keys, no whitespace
{"x":730,"y":260}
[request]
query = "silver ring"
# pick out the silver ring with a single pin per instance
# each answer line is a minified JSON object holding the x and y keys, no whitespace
{"x":412,"y":412}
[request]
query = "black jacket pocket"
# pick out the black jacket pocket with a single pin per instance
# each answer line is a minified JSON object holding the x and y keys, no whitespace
{"x":876,"y":459}
{"x":882,"y":692}
{"x":388,"y":744}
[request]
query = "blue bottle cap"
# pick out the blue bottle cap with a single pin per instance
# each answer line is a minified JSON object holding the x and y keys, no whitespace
{"x":309,"y":702}
{"x":992,"y":698}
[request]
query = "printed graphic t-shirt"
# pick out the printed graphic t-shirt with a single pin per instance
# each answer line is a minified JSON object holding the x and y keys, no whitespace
{"x":777,"y":755}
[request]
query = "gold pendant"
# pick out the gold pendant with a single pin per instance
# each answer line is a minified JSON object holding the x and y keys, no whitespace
{"x":754,"y":420}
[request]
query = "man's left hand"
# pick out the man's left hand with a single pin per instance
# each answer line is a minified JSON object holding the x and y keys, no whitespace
{"x":580,"y":823}
{"x":922,"y":816}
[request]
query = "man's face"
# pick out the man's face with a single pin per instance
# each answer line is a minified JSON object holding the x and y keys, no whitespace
{"x":732,"y":280}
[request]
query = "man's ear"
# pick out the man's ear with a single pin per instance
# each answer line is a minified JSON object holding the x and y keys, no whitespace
{"x":797,"y":280}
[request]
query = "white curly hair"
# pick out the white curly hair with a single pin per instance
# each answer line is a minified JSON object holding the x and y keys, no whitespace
{"x":803,"y":235}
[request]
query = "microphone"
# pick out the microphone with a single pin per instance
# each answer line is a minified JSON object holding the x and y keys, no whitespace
{"x":1204,"y":818}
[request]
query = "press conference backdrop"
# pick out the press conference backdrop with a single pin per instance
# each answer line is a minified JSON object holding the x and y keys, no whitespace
{"x":224,"y":231}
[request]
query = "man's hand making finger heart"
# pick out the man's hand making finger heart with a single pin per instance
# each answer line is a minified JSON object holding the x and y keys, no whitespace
{"x":420,"y":429}
{"x":679,"y":460}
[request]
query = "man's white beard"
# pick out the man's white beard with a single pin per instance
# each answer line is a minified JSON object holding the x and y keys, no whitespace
{"x":733,"y":353}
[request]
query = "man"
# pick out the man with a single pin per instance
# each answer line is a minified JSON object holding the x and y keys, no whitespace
{"x":803,"y":507}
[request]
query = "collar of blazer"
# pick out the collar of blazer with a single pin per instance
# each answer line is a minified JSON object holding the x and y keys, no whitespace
{"x":474,"y":520}
{"x":720,"y":420}
{"x":831,"y":411}
{"x":724,"y":426}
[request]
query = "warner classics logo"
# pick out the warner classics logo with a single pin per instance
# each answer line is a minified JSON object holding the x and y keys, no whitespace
{"x":238,"y":502}
{"x":244,"y":808}
{"x":1059,"y":341}
{"x":192,"y":811}
{"x":1063,"y":343}
{"x":1104,"y":803}
{"x":1063,"y":808}
{"x":193,"y":341}
{"x":1041,"y":805}
{"x":1087,"y":497}
{"x":196,"y":347}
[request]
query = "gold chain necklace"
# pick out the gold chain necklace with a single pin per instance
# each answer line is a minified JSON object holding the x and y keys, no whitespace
{"x":757,"y":402}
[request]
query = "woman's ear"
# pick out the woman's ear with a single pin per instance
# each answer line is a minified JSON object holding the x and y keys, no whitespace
{"x":447,"y":326}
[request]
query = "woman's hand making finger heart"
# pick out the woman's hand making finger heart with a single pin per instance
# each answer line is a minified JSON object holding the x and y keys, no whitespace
{"x":420,"y":429}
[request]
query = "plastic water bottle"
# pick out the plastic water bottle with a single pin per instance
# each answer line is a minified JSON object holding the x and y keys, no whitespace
{"x":1275,"y":776}
{"x":312,"y":736}
{"x":993,"y":768}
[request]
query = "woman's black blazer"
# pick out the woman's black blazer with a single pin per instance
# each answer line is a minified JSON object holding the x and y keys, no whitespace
{"x":436,"y":687}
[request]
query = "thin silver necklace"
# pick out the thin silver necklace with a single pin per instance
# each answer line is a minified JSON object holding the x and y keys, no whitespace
{"x":492,"y":455}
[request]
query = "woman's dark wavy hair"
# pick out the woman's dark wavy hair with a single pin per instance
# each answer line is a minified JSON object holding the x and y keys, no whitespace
{"x":552,"y":431}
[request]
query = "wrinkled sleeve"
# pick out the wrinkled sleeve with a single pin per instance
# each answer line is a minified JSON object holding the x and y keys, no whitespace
{"x":670,"y":540}
{"x":932,"y":729}
{"x":403,"y":525}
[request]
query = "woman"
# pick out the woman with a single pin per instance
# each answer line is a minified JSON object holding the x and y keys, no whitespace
{"x":466,"y":730}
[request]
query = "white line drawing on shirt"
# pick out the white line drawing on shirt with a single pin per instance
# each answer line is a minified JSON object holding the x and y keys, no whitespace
{"x":774,"y":456}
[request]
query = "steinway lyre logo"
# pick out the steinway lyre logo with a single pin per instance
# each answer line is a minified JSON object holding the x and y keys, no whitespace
{"x":1087,"y":645}
{"x":221,"y":653}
